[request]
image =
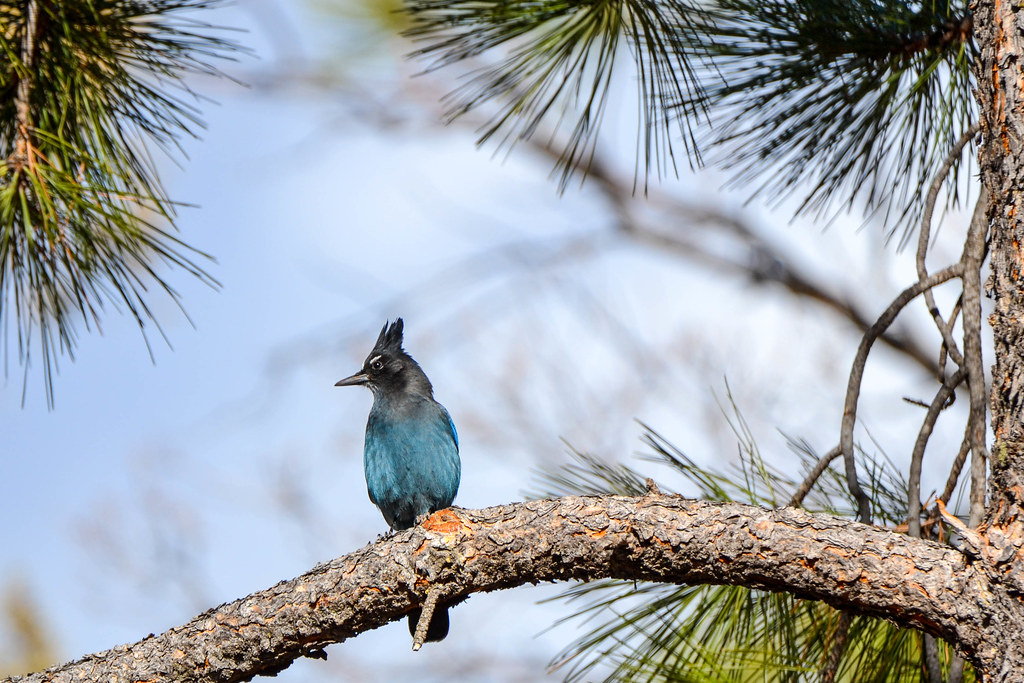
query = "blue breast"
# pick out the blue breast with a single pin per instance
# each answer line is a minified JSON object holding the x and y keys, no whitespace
{"x":411,"y":458}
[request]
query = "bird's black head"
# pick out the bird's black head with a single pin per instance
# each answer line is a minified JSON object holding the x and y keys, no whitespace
{"x":388,"y":368}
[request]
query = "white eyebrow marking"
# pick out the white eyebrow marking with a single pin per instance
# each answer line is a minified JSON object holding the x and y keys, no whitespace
{"x":374,"y":359}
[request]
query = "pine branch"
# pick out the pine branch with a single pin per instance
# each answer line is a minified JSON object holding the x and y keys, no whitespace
{"x":859,"y":99}
{"x":651,"y":537}
{"x":764,"y":263}
{"x":557,"y":65}
{"x":812,"y":477}
{"x":857,"y":374}
{"x":924,"y":236}
{"x":975,"y":250}
{"x":84,"y":221}
{"x":943,"y":399}
{"x":835,"y":653}
{"x":663,"y":632}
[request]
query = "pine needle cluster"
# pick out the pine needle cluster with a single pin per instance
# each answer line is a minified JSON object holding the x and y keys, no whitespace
{"x":717,"y":634}
{"x":841,"y":103}
{"x":89,"y":90}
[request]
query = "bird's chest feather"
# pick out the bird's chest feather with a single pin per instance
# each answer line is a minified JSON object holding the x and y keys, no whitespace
{"x":411,"y":459}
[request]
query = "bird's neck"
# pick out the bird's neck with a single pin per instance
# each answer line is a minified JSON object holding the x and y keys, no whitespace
{"x":410,"y":384}
{"x":417,"y":384}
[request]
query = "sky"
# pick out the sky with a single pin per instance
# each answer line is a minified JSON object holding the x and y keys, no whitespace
{"x":157,"y":488}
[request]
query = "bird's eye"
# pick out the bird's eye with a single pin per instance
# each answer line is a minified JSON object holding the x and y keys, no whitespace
{"x":377,"y":365}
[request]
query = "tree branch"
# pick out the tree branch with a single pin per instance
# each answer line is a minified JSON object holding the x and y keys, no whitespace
{"x":812,"y":477}
{"x":943,"y":350}
{"x":765,"y":263}
{"x":835,"y":653}
{"x":931,"y":659}
{"x":954,"y":471}
{"x":22,"y":101}
{"x":857,"y":374}
{"x":938,"y":404}
{"x":956,"y":669}
{"x":973,"y":256}
{"x":423,"y":623}
{"x":855,"y":567}
{"x":924,"y":236}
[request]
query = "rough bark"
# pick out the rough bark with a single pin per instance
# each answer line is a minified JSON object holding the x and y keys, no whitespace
{"x":860,"y":568}
{"x":999,"y":34}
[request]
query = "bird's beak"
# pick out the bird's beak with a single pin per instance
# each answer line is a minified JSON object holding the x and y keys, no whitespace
{"x":354,"y":380}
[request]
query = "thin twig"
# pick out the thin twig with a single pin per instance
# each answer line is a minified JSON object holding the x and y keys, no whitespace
{"x":957,"y":307}
{"x":813,"y":476}
{"x":924,"y":235}
{"x":766,"y":263}
{"x":956,"y":669}
{"x":974,"y":254}
{"x":931,"y":659}
{"x":857,"y":375}
{"x":938,"y":404}
{"x":423,"y":625}
{"x":22,"y":105}
{"x":970,"y":540}
{"x":954,"y":472}
{"x":835,"y":653}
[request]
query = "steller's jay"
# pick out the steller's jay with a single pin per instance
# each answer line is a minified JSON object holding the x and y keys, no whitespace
{"x":411,"y":452}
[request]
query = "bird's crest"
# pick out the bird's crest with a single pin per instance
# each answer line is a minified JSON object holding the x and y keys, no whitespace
{"x":390,"y":339}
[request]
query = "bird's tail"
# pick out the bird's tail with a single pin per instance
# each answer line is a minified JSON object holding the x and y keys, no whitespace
{"x":438,"y":627}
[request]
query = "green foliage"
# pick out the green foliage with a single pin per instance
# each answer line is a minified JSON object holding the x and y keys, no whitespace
{"x":711,"y":634}
{"x":852,"y":102}
{"x":857,"y":101}
{"x":87,"y":89}
{"x":561,"y":57}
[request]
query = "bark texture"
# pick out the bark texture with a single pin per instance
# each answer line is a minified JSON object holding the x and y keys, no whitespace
{"x":999,"y":34}
{"x":860,"y":568}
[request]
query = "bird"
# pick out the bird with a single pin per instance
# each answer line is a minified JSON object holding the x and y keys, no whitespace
{"x":411,"y":450}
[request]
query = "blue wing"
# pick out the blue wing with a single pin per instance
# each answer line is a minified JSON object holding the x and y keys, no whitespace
{"x":451,"y":423}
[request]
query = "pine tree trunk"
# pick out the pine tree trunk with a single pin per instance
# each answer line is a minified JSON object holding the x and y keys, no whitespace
{"x":999,"y":33}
